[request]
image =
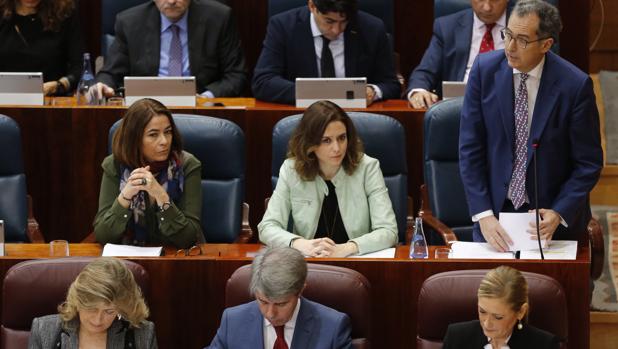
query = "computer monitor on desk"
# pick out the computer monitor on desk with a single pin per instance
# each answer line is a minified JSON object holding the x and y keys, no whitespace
{"x":345,"y":92}
{"x":21,"y":88}
{"x":173,"y":91}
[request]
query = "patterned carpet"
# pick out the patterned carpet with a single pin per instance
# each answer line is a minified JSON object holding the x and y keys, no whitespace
{"x":604,"y":297}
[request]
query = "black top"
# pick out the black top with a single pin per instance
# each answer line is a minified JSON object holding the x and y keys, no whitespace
{"x":331,"y":224}
{"x":26,"y":47}
{"x":469,"y":335}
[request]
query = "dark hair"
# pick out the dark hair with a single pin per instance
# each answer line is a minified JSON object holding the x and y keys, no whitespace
{"x":309,"y":133}
{"x":344,"y":7}
{"x":127,"y":141}
{"x":550,"y":24}
{"x":51,"y":12}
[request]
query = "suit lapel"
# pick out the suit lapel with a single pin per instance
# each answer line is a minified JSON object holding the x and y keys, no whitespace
{"x":305,"y":326}
{"x":463,"y":36}
{"x":195,"y":36}
{"x":304,"y":45}
{"x":253,"y":330}
{"x":152,"y":41}
{"x":546,"y":100}
{"x":503,"y":82}
{"x":351,"y":49}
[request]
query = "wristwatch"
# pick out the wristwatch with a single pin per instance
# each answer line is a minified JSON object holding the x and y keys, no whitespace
{"x":165,"y":206}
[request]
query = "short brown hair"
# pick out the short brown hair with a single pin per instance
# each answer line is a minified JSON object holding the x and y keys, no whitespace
{"x":109,"y":281}
{"x":505,"y":283}
{"x":128,"y":138}
{"x":309,"y":133}
{"x":51,"y":12}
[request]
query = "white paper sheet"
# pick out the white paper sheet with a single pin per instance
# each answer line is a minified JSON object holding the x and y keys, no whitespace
{"x":557,"y":249}
{"x":385,"y":253}
{"x":477,"y":250}
{"x":516,"y":225}
{"x":113,"y":250}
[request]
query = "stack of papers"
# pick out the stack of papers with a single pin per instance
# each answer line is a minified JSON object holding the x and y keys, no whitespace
{"x":565,"y":250}
{"x":113,"y":250}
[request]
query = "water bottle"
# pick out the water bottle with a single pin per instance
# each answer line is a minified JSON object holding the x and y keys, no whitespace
{"x":82,"y":94}
{"x":418,"y":247}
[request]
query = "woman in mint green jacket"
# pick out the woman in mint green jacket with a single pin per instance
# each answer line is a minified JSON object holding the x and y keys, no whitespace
{"x":334,"y":193}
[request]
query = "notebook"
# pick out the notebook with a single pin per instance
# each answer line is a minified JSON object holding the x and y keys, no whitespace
{"x":173,"y":91}
{"x":345,"y":92}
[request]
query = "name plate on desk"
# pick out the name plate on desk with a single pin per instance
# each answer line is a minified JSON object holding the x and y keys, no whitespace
{"x":21,"y":88}
{"x":345,"y":92}
{"x":173,"y":91}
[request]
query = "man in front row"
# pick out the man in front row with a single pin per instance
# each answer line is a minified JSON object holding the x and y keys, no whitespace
{"x":280,"y":318}
{"x":457,"y":39}
{"x":177,"y":38}
{"x":518,"y":99}
{"x":327,"y":38}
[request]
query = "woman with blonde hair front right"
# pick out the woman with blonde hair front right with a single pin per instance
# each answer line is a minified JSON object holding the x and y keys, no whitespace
{"x":104,"y":308}
{"x":503,"y":314}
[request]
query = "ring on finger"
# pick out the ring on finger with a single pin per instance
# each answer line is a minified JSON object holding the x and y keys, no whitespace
{"x":144,"y":181}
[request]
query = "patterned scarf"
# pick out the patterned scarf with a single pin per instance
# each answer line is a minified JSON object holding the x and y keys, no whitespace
{"x":171,"y":178}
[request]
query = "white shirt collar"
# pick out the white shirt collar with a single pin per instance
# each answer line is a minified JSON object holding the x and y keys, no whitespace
{"x":291,"y":324}
{"x":501,"y":23}
{"x":315,"y":31}
{"x":536,"y":72}
{"x":181,"y":23}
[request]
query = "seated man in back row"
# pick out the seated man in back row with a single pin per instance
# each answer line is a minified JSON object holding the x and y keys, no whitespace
{"x":457,"y":40}
{"x":177,"y":38}
{"x":328,"y":38}
{"x":280,"y":318}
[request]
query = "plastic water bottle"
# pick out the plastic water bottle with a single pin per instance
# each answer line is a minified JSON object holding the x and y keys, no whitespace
{"x":418,"y":247}
{"x":83,"y":87}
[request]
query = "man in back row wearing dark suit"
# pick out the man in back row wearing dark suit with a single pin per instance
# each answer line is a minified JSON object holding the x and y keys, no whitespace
{"x":457,"y":40}
{"x":522,"y":97}
{"x":327,"y":38}
{"x":280,"y":318}
{"x":177,"y":38}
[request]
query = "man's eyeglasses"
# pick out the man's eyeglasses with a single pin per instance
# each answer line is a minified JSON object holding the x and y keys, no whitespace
{"x":507,"y":36}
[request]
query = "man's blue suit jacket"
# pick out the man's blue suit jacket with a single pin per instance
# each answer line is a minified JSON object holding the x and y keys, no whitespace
{"x":565,"y":124}
{"x":317,"y":326}
{"x":289,"y":53}
{"x":447,"y":55}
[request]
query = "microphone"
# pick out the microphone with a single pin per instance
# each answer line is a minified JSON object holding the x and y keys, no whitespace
{"x":535,"y":146}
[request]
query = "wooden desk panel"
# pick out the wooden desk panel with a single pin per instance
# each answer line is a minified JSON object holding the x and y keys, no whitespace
{"x":63,"y":148}
{"x":187,"y":294}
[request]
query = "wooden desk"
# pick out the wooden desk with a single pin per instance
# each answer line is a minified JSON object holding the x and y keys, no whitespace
{"x":187,"y":293}
{"x":64,"y":145}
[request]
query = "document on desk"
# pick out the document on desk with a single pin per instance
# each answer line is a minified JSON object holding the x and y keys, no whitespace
{"x":557,"y":249}
{"x":385,"y":253}
{"x":477,"y":250}
{"x":113,"y":250}
{"x":517,"y":225}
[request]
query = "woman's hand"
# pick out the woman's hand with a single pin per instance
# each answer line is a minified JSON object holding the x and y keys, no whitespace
{"x":142,"y":179}
{"x":324,"y":247}
{"x":50,"y":87}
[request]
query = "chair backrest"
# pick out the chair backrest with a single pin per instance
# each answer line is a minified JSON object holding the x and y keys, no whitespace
{"x":340,"y":288}
{"x":52,"y":277}
{"x":383,"y":138}
{"x":450,"y":297}
{"x":13,"y":194}
{"x":220,"y":146}
{"x":382,"y":9}
{"x":447,"y":7}
{"x":109,"y":10}
{"x":441,"y":167}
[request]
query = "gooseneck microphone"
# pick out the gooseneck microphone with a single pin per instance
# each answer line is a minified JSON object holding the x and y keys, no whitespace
{"x":535,"y":146}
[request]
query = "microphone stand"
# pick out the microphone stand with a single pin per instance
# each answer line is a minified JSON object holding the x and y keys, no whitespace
{"x":535,"y":145}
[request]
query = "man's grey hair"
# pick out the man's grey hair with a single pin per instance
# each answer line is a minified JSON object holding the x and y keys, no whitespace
{"x":550,"y":24}
{"x":278,"y":272}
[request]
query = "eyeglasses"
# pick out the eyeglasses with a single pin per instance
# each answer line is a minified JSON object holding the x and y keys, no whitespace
{"x":195,"y":250}
{"x":507,"y":36}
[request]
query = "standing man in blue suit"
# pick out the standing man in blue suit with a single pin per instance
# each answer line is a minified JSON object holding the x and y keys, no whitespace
{"x":457,"y":40}
{"x":280,"y":318}
{"x":327,"y":38}
{"x":516,"y":98}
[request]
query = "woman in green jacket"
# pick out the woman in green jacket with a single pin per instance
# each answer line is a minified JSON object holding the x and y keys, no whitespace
{"x":150,"y":190}
{"x":335,"y":194}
